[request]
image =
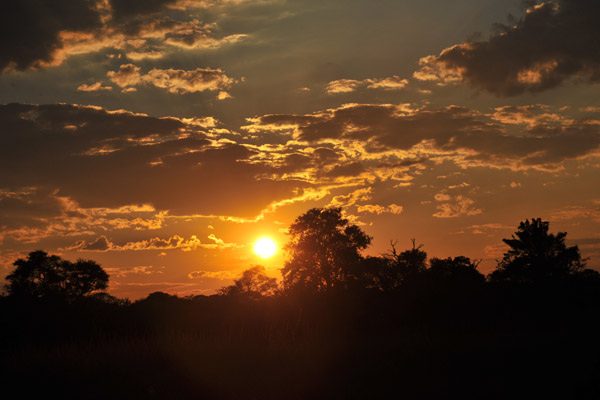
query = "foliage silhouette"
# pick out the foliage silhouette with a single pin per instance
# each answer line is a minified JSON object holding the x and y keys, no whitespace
{"x":408,"y":264}
{"x":43,"y":275}
{"x":323,"y":251}
{"x":457,"y":269}
{"x":537,"y":255}
{"x":418,"y":330}
{"x":253,"y":284}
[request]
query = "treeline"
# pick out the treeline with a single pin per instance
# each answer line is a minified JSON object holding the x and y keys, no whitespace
{"x":339,"y":325}
{"x":324,"y":256}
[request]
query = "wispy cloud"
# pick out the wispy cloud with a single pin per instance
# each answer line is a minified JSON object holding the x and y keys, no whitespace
{"x":350,"y":85}
{"x":94,"y":87}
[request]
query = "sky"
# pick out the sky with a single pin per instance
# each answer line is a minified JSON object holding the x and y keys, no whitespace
{"x":162,"y":138}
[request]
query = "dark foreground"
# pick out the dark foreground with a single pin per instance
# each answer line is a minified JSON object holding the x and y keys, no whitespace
{"x":489,"y":342}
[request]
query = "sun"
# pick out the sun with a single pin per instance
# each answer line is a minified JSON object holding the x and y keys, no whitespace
{"x":265,"y":247}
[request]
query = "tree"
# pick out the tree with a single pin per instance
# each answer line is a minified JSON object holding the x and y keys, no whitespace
{"x":457,"y":269}
{"x":43,"y":275}
{"x":403,"y":266}
{"x":253,"y":283}
{"x":323,"y":251}
{"x":536,"y":255}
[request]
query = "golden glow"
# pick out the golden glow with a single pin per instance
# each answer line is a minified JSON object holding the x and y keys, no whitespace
{"x":265,"y":247}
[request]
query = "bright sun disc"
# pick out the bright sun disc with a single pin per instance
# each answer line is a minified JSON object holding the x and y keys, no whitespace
{"x":265,"y":247}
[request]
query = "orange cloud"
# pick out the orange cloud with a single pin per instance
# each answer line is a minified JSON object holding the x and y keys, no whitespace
{"x":377,"y":209}
{"x":219,"y":275}
{"x":94,"y":87}
{"x":175,"y":80}
{"x":127,"y":75}
{"x":350,"y":85}
{"x":460,"y":206}
{"x":342,"y":86}
{"x":171,"y":243}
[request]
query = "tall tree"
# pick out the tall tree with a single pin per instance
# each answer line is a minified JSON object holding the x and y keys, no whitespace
{"x":535,"y":254}
{"x":323,"y":251}
{"x":43,"y":275}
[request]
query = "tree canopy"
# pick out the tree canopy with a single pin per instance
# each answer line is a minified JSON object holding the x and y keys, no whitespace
{"x":323,"y":251}
{"x":253,"y":283}
{"x":535,"y":254}
{"x":43,"y":275}
{"x":457,"y":269}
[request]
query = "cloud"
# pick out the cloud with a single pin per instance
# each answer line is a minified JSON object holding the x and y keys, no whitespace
{"x":467,"y":137}
{"x":33,"y":214}
{"x":194,"y":35}
{"x":122,"y":272}
{"x":220,"y":275}
{"x":174,"y":242}
{"x":495,"y":251}
{"x":578,"y":212}
{"x":342,"y":86}
{"x":39,"y":33}
{"x":487,"y":228}
{"x":100,"y":244}
{"x":351,"y":169}
{"x":531,"y":116}
{"x":377,"y":209}
{"x":124,"y":9}
{"x":100,"y":158}
{"x":350,"y":199}
{"x":94,"y":87}
{"x":553,"y":42}
{"x":180,"y":81}
{"x":31,"y":30}
{"x":350,"y":85}
{"x":175,"y":80}
{"x":390,"y":83}
{"x":127,"y":75}
{"x":460,"y":206}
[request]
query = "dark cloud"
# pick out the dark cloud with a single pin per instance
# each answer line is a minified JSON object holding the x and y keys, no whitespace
{"x":324,"y":154}
{"x":31,"y":208}
{"x":383,"y":127}
{"x":123,"y":9}
{"x":296,"y":162}
{"x":111,"y":159}
{"x":554,"y":41}
{"x":30,"y":29}
{"x":351,"y":169}
{"x":39,"y":33}
{"x":100,"y":244}
{"x":402,"y":163}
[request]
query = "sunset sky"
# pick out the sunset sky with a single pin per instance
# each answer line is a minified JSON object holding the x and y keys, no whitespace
{"x":162,"y":138}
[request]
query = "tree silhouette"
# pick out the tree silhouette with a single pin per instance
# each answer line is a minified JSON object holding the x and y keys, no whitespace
{"x":457,"y":269}
{"x":323,"y":251}
{"x":254,"y":283}
{"x":536,"y":255}
{"x":406,"y":265}
{"x":43,"y":275}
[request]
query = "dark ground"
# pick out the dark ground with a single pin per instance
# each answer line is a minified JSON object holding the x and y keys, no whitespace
{"x":487,"y":342}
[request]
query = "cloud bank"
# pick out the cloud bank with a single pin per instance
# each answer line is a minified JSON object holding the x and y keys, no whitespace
{"x":553,"y":42}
